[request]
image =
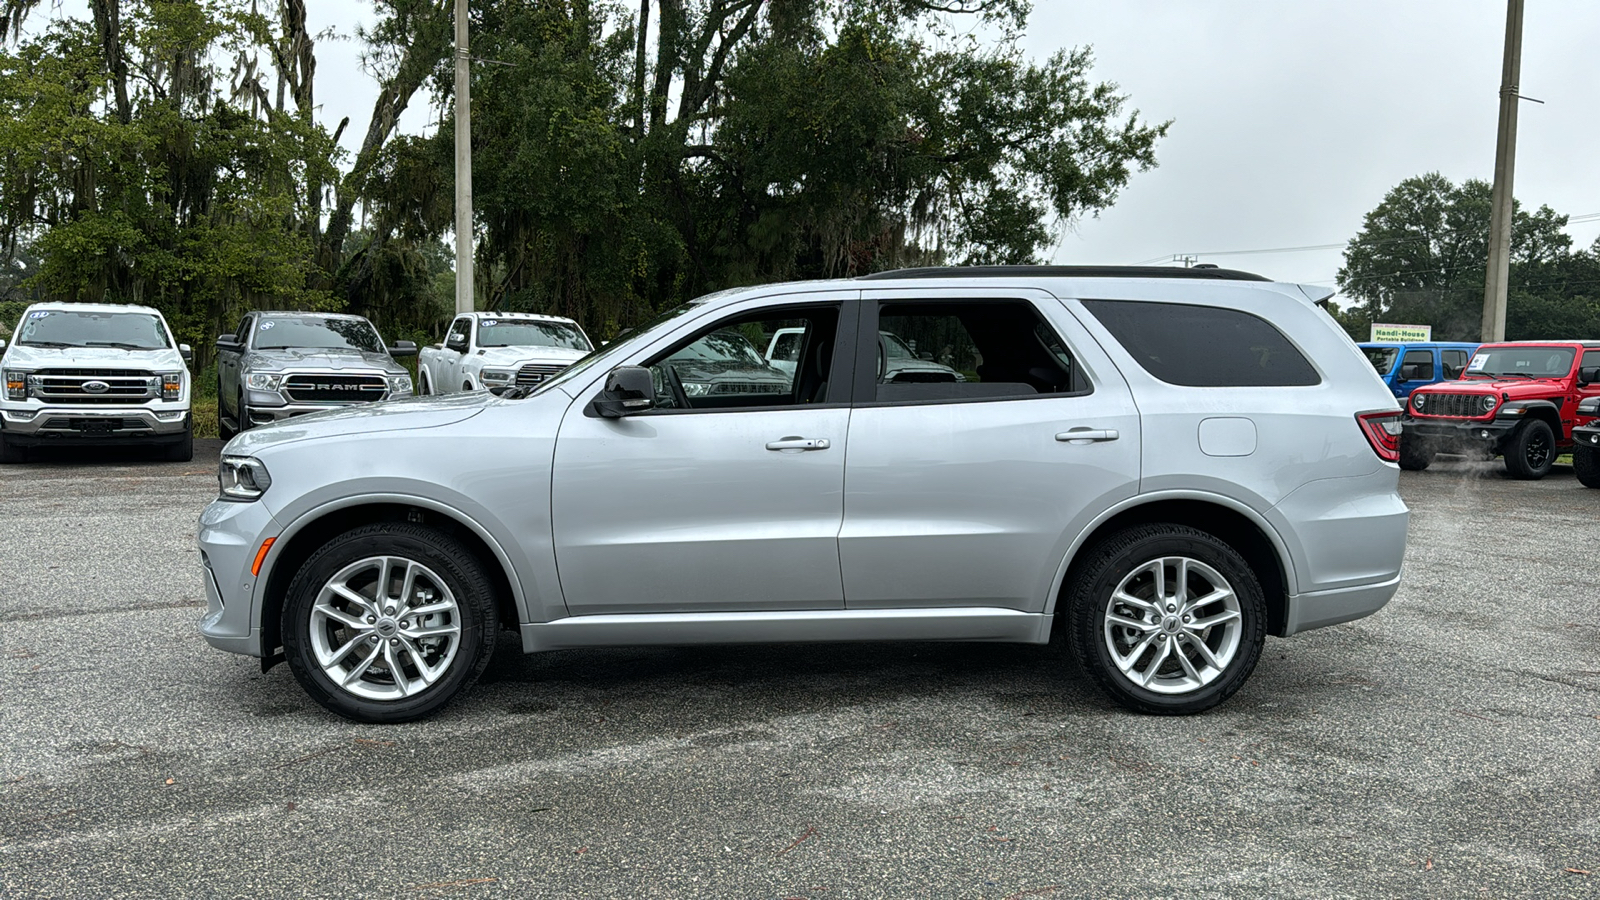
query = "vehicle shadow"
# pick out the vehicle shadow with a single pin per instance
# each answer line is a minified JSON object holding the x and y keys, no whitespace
{"x":206,"y":453}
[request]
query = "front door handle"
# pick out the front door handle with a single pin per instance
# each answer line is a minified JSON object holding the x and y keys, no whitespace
{"x":798,"y":443}
{"x":1087,"y":435}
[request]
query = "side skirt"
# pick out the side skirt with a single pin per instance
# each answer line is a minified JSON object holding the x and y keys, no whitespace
{"x":800,"y":626}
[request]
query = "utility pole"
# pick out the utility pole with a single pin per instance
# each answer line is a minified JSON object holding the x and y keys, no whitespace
{"x":464,"y":281}
{"x":1498,"y":277}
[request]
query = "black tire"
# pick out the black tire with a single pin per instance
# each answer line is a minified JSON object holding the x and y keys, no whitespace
{"x":224,"y":431}
{"x":242,"y":412}
{"x":1416,"y":454}
{"x":181,"y":450}
{"x":1586,"y":462}
{"x":443,"y":564}
{"x":1126,"y":560}
{"x":11,"y":453}
{"x":1531,"y":451}
{"x":424,"y":386}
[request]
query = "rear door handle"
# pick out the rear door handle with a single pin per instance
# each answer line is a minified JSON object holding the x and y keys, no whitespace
{"x":798,"y":443}
{"x":1087,"y":435}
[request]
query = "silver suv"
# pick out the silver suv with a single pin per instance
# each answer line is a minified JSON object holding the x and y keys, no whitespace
{"x":1161,"y":465}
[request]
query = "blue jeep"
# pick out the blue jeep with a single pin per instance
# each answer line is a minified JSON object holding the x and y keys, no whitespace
{"x":1406,"y":367}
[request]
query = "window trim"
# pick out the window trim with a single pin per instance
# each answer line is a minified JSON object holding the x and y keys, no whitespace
{"x":839,"y":371}
{"x":864,"y":392}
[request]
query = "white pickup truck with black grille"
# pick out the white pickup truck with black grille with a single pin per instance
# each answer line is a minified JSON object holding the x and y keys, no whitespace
{"x":277,"y":365}
{"x":494,"y":350}
{"x":93,"y":373}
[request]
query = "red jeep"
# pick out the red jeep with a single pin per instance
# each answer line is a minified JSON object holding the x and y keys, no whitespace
{"x":1518,"y":399}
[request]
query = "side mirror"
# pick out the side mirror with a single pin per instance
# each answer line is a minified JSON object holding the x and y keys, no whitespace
{"x":403,"y":348}
{"x":224,"y":342}
{"x":187,"y":352}
{"x":629,"y":389}
{"x":1410,"y":373}
{"x":1586,"y":375}
{"x":925,"y":355}
{"x":456,"y":342}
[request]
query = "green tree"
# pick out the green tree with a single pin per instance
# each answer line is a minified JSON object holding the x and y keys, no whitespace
{"x":1422,"y":254}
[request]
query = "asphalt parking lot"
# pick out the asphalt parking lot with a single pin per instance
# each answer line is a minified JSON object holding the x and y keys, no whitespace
{"x":1447,"y":747}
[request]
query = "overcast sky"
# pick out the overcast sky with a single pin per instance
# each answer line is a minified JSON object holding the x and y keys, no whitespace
{"x":1291,"y":118}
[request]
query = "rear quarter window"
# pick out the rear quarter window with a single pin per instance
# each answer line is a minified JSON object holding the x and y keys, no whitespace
{"x":1204,"y":346}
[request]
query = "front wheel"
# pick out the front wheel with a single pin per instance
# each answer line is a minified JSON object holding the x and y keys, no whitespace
{"x":181,"y":450}
{"x":1531,"y":451}
{"x":389,"y":622}
{"x":1167,"y":619}
{"x":1415,"y":454}
{"x":1586,"y":462}
{"x":11,"y":453}
{"x":224,"y":431}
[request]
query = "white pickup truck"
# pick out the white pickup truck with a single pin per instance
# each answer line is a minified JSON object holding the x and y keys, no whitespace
{"x":80,"y":374}
{"x":491,"y":350}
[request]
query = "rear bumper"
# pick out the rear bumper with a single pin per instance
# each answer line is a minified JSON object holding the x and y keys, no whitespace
{"x":80,"y":426}
{"x":1323,"y":608}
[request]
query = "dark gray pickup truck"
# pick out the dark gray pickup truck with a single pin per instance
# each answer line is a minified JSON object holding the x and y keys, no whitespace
{"x":283,"y":364}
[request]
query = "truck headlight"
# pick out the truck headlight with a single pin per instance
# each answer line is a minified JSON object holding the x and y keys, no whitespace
{"x":16,"y":385}
{"x":696,"y":388}
{"x":1488,"y":402}
{"x":171,"y":386}
{"x":242,"y":479}
{"x":399,"y":384}
{"x":263,"y":381}
{"x":497,"y":377}
{"x":1418,"y":401}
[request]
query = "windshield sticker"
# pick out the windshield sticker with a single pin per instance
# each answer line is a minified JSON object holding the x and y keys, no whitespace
{"x":40,"y":314}
{"x":265,"y":326}
{"x":1479,"y":360}
{"x":489,"y":323}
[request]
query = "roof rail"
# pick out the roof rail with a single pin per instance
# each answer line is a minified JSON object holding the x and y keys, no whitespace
{"x":1064,"y":272}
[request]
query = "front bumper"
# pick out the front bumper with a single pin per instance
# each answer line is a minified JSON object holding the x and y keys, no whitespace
{"x":79,"y":425}
{"x":1586,"y":436}
{"x":230,"y":535}
{"x":1445,"y":434}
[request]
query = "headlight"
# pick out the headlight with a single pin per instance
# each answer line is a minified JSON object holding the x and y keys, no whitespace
{"x":496,"y":376}
{"x":1488,"y":402}
{"x":1418,"y":401}
{"x":171,"y":386}
{"x":1589,"y":407}
{"x":243,"y":479}
{"x":399,"y":384}
{"x":696,"y":388}
{"x":263,"y":381}
{"x":16,"y":385}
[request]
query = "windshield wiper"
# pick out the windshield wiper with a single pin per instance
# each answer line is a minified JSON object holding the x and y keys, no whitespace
{"x":57,"y":344}
{"x":120,"y":345}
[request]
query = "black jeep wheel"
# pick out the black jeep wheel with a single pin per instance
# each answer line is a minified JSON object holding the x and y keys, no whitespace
{"x":1415,"y":453}
{"x":1531,"y":451}
{"x":1586,"y":462}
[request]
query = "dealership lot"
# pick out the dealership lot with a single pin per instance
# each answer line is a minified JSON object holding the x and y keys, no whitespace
{"x":1447,"y":746}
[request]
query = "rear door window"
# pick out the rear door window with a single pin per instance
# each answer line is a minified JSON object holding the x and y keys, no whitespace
{"x":1204,"y":346}
{"x":969,"y":350}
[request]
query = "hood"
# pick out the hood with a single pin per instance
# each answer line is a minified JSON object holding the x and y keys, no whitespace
{"x":1512,"y":388}
{"x":91,"y":358}
{"x":321,"y":358}
{"x":521,"y":356}
{"x":394,"y":415}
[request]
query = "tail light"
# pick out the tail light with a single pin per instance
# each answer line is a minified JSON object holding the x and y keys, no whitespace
{"x":1383,"y":433}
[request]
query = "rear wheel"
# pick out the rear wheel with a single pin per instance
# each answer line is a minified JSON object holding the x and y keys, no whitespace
{"x":1416,"y":454}
{"x":389,"y":622}
{"x":424,"y":386}
{"x":1586,"y":462}
{"x":1531,"y":451}
{"x":1167,"y":619}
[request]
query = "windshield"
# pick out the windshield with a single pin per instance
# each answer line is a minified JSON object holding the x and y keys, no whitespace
{"x":1526,"y":362}
{"x":897,"y":348}
{"x":1382,"y":358}
{"x":122,"y":330}
{"x":316,"y":333}
{"x":527,"y":333}
{"x":724,"y":346}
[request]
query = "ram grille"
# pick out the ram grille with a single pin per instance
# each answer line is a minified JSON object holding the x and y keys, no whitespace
{"x":335,"y":388}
